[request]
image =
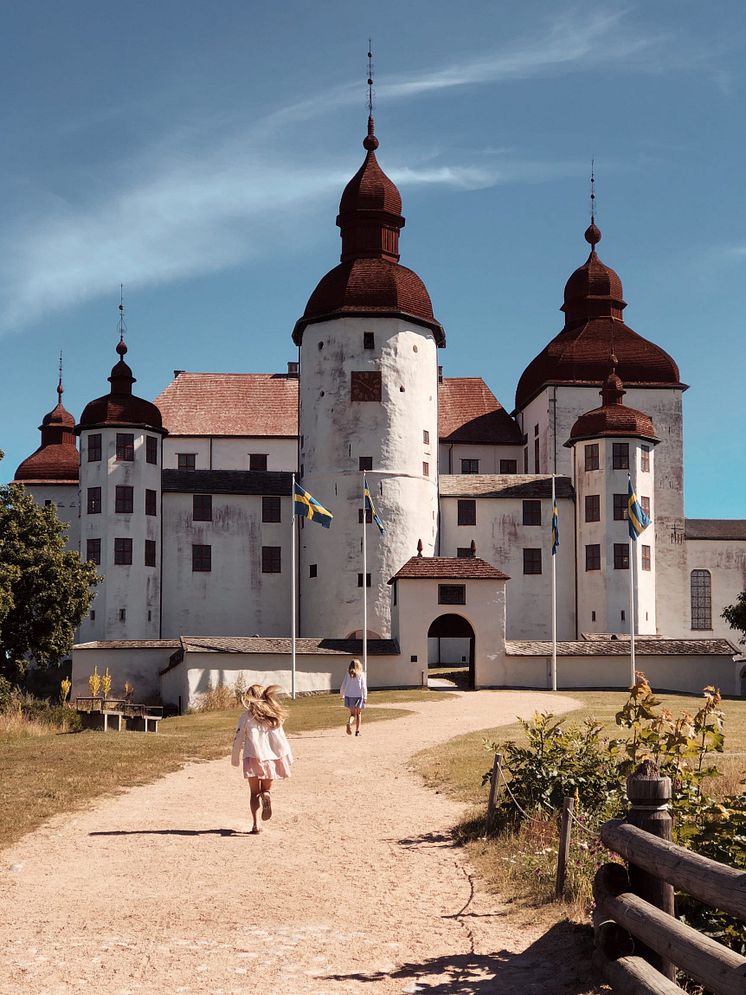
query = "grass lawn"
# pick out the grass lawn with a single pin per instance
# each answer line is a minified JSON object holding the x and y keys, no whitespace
{"x":53,"y":773}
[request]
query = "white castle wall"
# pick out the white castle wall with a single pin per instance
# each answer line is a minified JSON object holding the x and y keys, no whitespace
{"x":219,"y":453}
{"x":66,"y":501}
{"x":336,"y":432}
{"x":489,"y":457}
{"x":726,"y":561}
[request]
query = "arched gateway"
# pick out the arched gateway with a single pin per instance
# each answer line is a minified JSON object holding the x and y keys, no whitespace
{"x":451,"y":640}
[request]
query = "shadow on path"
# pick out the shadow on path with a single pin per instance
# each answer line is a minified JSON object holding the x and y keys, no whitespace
{"x":171,"y":832}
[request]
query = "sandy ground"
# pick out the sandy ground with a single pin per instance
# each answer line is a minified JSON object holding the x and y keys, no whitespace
{"x":353,"y":887}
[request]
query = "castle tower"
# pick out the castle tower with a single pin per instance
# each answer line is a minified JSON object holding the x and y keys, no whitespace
{"x":120,"y":507}
{"x":368,"y":401}
{"x":51,"y":473}
{"x":609,"y":444}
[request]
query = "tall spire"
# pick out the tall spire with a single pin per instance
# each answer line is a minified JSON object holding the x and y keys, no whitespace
{"x":592,"y":232}
{"x":60,"y":388}
{"x":370,"y":78}
{"x":121,"y":378}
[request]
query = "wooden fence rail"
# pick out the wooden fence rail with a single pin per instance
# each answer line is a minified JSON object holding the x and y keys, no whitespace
{"x":634,"y":906}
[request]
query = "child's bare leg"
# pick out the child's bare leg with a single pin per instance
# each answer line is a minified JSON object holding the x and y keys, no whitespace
{"x":256,"y":787}
{"x":358,"y":712}
{"x":350,"y":720}
{"x":266,"y":799}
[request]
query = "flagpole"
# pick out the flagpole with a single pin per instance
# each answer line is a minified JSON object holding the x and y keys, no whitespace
{"x":365,"y":586}
{"x":554,"y":598}
{"x":292,"y":588}
{"x":632,"y":611}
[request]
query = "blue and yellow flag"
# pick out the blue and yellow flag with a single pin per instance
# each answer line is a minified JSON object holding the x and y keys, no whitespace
{"x":637,"y":520}
{"x":369,"y":506}
{"x":555,"y":528}
{"x":308,"y":507}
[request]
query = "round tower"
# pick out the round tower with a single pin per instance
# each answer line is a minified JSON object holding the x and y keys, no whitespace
{"x":611,"y":445}
{"x":368,"y":345}
{"x":120,"y":483}
{"x":51,"y":473}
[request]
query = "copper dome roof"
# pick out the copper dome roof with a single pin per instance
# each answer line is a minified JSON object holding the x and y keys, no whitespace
{"x":613,"y":418}
{"x":369,"y":279}
{"x":579,"y":354}
{"x":57,"y":459}
{"x":120,"y":406}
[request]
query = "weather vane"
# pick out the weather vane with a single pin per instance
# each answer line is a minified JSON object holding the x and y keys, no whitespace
{"x":370,"y":78}
{"x":593,"y":192}
{"x":122,"y":323}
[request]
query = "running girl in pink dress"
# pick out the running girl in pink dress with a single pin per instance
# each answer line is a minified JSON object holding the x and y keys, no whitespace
{"x":266,"y":751}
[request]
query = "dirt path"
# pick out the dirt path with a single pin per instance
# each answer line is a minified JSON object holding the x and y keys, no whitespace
{"x":354,"y":887}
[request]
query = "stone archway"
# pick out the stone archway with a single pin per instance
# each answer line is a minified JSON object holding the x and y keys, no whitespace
{"x":455,"y":638}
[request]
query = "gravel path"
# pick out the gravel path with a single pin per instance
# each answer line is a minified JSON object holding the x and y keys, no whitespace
{"x":353,"y":887}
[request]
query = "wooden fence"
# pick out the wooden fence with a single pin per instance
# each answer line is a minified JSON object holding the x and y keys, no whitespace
{"x":639,"y":942}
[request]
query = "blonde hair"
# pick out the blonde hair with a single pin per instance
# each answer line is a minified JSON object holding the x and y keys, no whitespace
{"x":355,"y":668}
{"x":264,"y":704}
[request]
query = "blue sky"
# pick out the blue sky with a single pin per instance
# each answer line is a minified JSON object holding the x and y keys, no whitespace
{"x":196,"y":153}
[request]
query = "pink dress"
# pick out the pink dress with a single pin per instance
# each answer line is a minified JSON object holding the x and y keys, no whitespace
{"x":266,"y":751}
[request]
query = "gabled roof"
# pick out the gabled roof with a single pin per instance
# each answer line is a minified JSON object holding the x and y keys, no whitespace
{"x":715,"y":528}
{"x":448,"y":568}
{"x":269,"y":482}
{"x":620,"y":647}
{"x":503,"y":485}
{"x":470,"y":413}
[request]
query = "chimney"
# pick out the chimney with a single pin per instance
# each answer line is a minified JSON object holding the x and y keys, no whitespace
{"x":293,"y":371}
{"x":177,"y":372}
{"x":440,"y":374}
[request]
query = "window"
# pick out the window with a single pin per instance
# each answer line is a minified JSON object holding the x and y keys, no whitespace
{"x":645,"y":557}
{"x":701,"y":587}
{"x":150,"y":552}
{"x":525,"y":460}
{"x":360,"y":580}
{"x":620,"y":456}
{"x":94,"y":500}
{"x":124,"y":499}
{"x":201,"y":559}
{"x":151,"y":505}
{"x":186,"y":461}
{"x":369,"y":340}
{"x":365,"y":386}
{"x":536,"y":430}
{"x":620,"y":507}
{"x":532,"y":512}
{"x":122,"y":614}
{"x":123,"y":551}
{"x":425,"y":469}
{"x":591,"y":456}
{"x":426,"y":437}
{"x":536,"y":455}
{"x":593,"y":556}
{"x":593,"y":507}
{"x":257,"y":461}
{"x":93,"y":551}
{"x":467,"y":512}
{"x":532,"y":561}
{"x":451,"y":594}
{"x":94,"y":448}
{"x":645,"y":459}
{"x":125,"y":447}
{"x":464,"y":552}
{"x":645,"y":504}
{"x":151,"y":449}
{"x":270,"y":508}
{"x":593,"y":616}
{"x":623,"y":615}
{"x":621,"y":556}
{"x":47,"y":503}
{"x":92,"y":615}
{"x":313,"y":570}
{"x":365,"y":463}
{"x":202,"y":507}
{"x":271,"y":563}
{"x":508,"y":466}
{"x":470,"y":466}
{"x":368,"y":516}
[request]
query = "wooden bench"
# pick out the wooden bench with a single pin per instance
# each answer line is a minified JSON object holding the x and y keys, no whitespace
{"x":101,"y":713}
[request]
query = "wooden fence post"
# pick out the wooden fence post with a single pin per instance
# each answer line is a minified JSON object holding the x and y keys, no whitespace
{"x":494,"y":786}
{"x":649,"y":796}
{"x":564,"y":844}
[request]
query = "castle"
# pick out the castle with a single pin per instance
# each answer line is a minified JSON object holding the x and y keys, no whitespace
{"x":184,"y":502}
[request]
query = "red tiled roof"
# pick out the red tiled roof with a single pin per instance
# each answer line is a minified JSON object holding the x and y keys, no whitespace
{"x":226,"y":404}
{"x":57,"y":459}
{"x":613,"y":418}
{"x":120,"y":406}
{"x":448,"y":568}
{"x":469,"y":412}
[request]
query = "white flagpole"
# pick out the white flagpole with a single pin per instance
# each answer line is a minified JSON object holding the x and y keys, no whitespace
{"x":632,"y":610}
{"x":365,"y":587}
{"x":554,"y":598}
{"x":292,"y":587}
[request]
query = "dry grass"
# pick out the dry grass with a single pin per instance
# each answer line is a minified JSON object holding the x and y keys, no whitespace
{"x":47,"y":773}
{"x":13,"y":725}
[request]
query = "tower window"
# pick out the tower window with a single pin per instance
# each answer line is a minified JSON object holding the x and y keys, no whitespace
{"x":508,"y":466}
{"x":123,"y":551}
{"x":186,"y":461}
{"x":593,"y":556}
{"x":124,"y":500}
{"x":536,"y":430}
{"x":125,"y":447}
{"x":202,"y":507}
{"x":645,"y":459}
{"x":270,"y":508}
{"x":451,"y":594}
{"x":591,"y":456}
{"x":525,"y":460}
{"x":536,"y":455}
{"x":470,"y":466}
{"x":313,"y":570}
{"x":151,"y":449}
{"x":645,"y":559}
{"x":467,"y":512}
{"x":620,"y":455}
{"x":122,"y":614}
{"x":257,"y":461}
{"x":645,"y":504}
{"x":271,"y":559}
{"x":701,"y":595}
{"x":365,"y":385}
{"x":94,"y":448}
{"x":425,"y":469}
{"x":426,"y":437}
{"x":92,"y":614}
{"x":620,"y":507}
{"x":151,"y":502}
{"x":369,"y":340}
{"x":201,"y":559}
{"x":532,"y":512}
{"x":621,"y":556}
{"x":93,"y":551}
{"x":365,"y":463}
{"x":360,"y":580}
{"x":94,"y":501}
{"x":150,"y":552}
{"x":593,"y":507}
{"x":368,"y":516}
{"x":532,"y":561}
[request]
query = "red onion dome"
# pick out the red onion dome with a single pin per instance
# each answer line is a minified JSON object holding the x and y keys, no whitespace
{"x":120,"y":406}
{"x":57,"y":459}
{"x":594,"y":327}
{"x":369,"y":279}
{"x":613,"y":418}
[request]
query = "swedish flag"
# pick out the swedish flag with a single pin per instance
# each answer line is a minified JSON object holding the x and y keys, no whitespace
{"x":308,"y":507}
{"x":369,"y":506}
{"x":555,"y":529}
{"x":637,"y":520}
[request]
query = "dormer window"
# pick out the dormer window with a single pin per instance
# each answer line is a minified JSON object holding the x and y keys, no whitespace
{"x":369,"y":340}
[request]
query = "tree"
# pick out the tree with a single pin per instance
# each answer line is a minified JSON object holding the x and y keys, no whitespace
{"x":45,"y":590}
{"x":735,"y":615}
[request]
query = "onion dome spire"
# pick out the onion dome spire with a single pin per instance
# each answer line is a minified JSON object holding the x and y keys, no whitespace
{"x":121,"y":378}
{"x":613,"y":418}
{"x":56,"y":460}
